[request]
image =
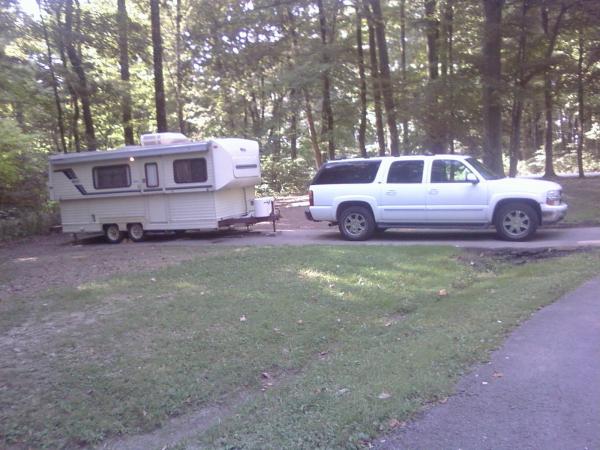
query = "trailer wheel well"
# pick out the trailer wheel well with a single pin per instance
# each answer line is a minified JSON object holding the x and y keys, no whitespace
{"x":345,"y":205}
{"x":535,"y":205}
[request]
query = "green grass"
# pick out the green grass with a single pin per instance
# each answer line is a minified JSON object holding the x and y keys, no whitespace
{"x":583,"y":198}
{"x":334,"y":326}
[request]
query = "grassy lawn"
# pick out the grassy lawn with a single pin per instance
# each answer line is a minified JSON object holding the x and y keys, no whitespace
{"x":583,"y":198}
{"x":350,"y":336}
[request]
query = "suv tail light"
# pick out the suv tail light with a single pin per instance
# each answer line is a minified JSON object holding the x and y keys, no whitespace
{"x":311,"y":199}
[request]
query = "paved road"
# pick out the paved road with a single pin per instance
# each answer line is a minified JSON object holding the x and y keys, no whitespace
{"x":550,"y":237}
{"x":547,"y":398}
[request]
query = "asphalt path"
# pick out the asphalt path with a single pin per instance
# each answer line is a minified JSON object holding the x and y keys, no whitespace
{"x":544,"y":238}
{"x":540,"y":390}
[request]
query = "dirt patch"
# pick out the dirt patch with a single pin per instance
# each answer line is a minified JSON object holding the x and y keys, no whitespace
{"x":483,"y":259}
{"x":178,"y":429}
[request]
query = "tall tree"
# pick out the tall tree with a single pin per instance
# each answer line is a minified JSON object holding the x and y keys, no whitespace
{"x":157,"y":55}
{"x":405,"y":147}
{"x":551,"y":32}
{"x":83,"y":89}
{"x":57,"y":101}
{"x":327,"y":125}
{"x":519,"y":83}
{"x":580,"y":103}
{"x":376,"y":86}
{"x":362,"y":128}
{"x":492,"y":78}
{"x":433,"y":121}
{"x":123,"y":23}
{"x":386,"y":79}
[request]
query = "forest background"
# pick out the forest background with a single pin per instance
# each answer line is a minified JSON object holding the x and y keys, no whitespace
{"x":514,"y":82}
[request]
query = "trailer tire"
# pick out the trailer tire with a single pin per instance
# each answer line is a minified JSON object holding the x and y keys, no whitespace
{"x":135,"y":232}
{"x":112,"y":234}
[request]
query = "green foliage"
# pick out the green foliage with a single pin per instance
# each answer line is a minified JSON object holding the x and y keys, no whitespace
{"x":17,"y":223}
{"x":284,"y":176}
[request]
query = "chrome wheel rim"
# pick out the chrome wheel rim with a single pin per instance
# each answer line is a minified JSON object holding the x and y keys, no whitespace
{"x":516,"y":223}
{"x":355,"y":224}
{"x":112,"y":233}
{"x":136,"y":231}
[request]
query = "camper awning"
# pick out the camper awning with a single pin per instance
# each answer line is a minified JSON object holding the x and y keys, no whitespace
{"x":128,"y":152}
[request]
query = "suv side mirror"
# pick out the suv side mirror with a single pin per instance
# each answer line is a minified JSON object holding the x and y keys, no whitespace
{"x":472,"y":178}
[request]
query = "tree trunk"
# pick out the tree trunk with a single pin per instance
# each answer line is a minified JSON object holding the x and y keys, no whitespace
{"x":433,"y":120}
{"x":327,"y":125}
{"x":314,"y":140}
{"x":157,"y":53}
{"x":386,"y":81}
{"x":294,"y":136}
{"x":551,"y":35}
{"x":581,"y":106}
{"x":449,"y":37}
{"x":179,"y":67}
{"x":123,"y":23}
{"x":59,"y":111}
{"x":362,"y":128}
{"x":405,"y":143}
{"x":83,"y":91}
{"x":517,"y":104}
{"x":376,"y":88}
{"x":491,"y":78}
{"x":74,"y":116}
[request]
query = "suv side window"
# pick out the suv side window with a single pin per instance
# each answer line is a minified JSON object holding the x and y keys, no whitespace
{"x":354,"y":172}
{"x":449,"y":171}
{"x":406,"y":172}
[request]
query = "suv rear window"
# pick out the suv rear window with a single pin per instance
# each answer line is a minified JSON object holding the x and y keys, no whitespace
{"x":354,"y":172}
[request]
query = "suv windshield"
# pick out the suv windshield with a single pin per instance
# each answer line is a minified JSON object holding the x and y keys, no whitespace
{"x":351,"y":172}
{"x":484,"y":171}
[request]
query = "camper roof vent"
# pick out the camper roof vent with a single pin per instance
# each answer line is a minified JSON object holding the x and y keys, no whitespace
{"x":163,"y":139}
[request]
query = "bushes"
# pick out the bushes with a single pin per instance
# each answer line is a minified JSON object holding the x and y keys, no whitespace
{"x":284,"y":176}
{"x":20,"y":223}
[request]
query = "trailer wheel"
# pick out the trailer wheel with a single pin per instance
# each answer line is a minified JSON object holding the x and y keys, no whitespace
{"x":112,"y":234}
{"x":135,"y":231}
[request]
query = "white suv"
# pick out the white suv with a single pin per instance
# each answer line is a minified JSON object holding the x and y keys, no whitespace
{"x":362,"y":196}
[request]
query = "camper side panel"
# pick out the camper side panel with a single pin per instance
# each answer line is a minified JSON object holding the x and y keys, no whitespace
{"x":233,"y":202}
{"x":194,"y":210}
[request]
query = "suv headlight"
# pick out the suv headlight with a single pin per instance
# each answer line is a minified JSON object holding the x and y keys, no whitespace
{"x":553,"y":198}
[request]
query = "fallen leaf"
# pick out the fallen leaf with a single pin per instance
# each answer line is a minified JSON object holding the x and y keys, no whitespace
{"x":395,"y":423}
{"x":442,"y":293}
{"x":242,"y":318}
{"x":387,"y":324}
{"x":443,"y":400}
{"x":266,"y":375}
{"x":153,"y":279}
{"x":384,"y":395}
{"x":300,"y":322}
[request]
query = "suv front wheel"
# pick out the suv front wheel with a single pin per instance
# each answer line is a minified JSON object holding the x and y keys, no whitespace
{"x":356,"y":223}
{"x":516,"y":221}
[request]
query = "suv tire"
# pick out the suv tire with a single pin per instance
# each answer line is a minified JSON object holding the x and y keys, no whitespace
{"x":516,"y":221}
{"x":356,"y":223}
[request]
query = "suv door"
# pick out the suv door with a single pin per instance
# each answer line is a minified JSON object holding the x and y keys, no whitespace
{"x":452,"y":197}
{"x":403,"y":198}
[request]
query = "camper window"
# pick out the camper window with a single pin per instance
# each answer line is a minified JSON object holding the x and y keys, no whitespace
{"x":112,"y":177}
{"x":151,"y":175}
{"x":190,"y":170}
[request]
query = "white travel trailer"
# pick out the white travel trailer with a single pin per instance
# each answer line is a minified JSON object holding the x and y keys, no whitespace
{"x":167,"y":184}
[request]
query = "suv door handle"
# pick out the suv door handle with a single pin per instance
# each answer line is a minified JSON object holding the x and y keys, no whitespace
{"x":390,"y":192}
{"x":433,"y":191}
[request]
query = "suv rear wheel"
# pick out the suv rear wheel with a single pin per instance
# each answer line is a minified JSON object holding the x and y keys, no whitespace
{"x":516,"y":221}
{"x":356,"y":223}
